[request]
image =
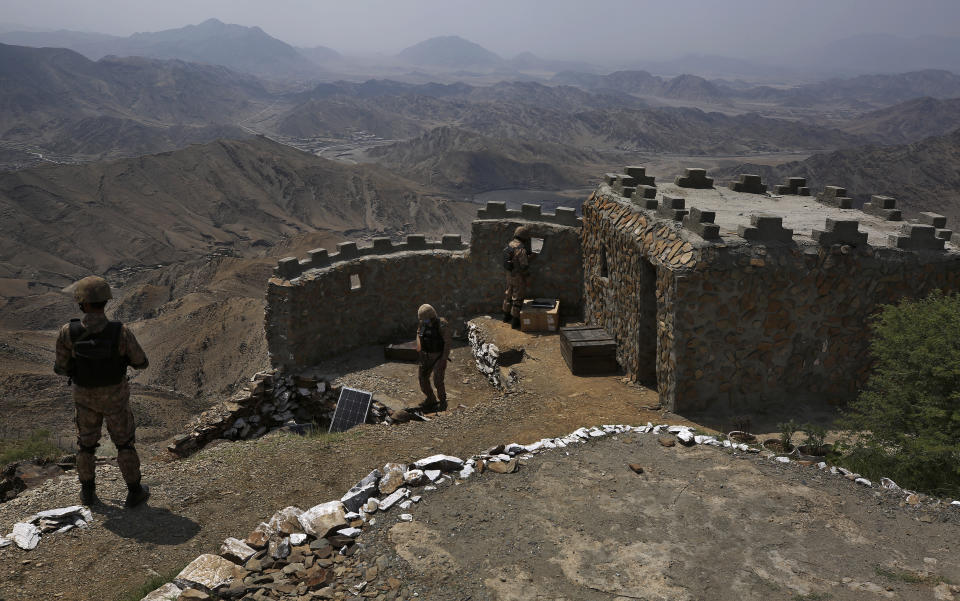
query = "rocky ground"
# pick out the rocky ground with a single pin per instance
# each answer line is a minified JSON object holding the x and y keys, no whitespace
{"x":571,"y":523}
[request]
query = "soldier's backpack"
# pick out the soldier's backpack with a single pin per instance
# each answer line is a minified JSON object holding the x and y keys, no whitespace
{"x":96,"y":356}
{"x":508,"y":257}
{"x":431,"y":339}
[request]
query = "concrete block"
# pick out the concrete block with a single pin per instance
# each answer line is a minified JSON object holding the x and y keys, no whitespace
{"x":749,"y":183}
{"x":453,"y":242}
{"x":495,"y":210}
{"x":416,"y":242}
{"x":650,"y":204}
{"x":567,"y":216}
{"x":944,"y":235}
{"x":883,"y":207}
{"x":626,"y":181}
{"x":672,"y":207}
{"x":701,"y":223}
{"x":840,"y":231}
{"x":318,"y":257}
{"x":382,"y":246}
{"x":635,"y":171}
{"x":765,"y":228}
{"x":934,"y":219}
{"x":611,"y":178}
{"x":347,"y":251}
{"x":646,"y":191}
{"x":288,"y":268}
{"x":628,"y":191}
{"x":796,"y":183}
{"x":917,"y":236}
{"x":674,"y":202}
{"x":835,"y":196}
{"x":530,"y":211}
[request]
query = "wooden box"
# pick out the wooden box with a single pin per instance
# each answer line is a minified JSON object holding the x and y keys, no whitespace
{"x":539,"y":319}
{"x":402,"y":351}
{"x":588,"y":351}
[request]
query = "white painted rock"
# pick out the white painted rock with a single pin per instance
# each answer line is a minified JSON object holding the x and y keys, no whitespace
{"x":956,"y":503}
{"x":406,"y":517}
{"x":782,"y":459}
{"x":432,"y":475}
{"x":298,"y":538}
{"x":351,"y":532}
{"x":5,"y":542}
{"x":207,"y":572}
{"x":685,"y":437}
{"x":595,"y":433}
{"x":397,"y":496}
{"x":863,"y":481}
{"x":358,"y":495}
{"x":324,"y":518}
{"x":392,"y":477}
{"x":534,"y":447}
{"x":371,"y":506}
{"x":286,"y":520}
{"x":416,"y":499}
{"x":888,"y":484}
{"x":25,"y":536}
{"x":167,"y":592}
{"x":414,"y":478}
{"x":406,"y":504}
{"x":444,"y":463}
{"x":237,"y":550}
{"x":467,"y":471}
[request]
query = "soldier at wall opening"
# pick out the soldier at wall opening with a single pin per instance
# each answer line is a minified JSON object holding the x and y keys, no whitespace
{"x":433,"y":348}
{"x":94,"y":353}
{"x":516,"y":260}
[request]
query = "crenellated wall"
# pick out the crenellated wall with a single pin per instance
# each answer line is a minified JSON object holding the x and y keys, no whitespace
{"x":326,"y":304}
{"x":750,"y":315}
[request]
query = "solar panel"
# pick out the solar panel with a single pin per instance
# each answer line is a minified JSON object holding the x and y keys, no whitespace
{"x":352,"y":407}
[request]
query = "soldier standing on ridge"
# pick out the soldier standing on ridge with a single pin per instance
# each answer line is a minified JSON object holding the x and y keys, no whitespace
{"x":95,"y":352}
{"x":433,"y":346}
{"x":516,"y":260}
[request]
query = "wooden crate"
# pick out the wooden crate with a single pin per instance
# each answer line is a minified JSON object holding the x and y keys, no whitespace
{"x":402,"y":351}
{"x":539,"y":319}
{"x":588,"y":350}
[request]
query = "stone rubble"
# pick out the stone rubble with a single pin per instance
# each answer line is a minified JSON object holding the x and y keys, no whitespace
{"x":26,"y":534}
{"x":313,"y":554}
{"x":270,"y":402}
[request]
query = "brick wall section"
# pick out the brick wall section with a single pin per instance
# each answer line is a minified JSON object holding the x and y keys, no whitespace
{"x":315,"y":315}
{"x":742,"y":324}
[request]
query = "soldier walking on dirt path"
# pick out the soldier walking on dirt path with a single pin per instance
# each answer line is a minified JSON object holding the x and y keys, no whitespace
{"x":94,"y":353}
{"x":433,"y":348}
{"x":516,"y":260}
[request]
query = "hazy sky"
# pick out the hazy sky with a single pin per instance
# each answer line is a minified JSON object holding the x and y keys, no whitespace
{"x":588,"y":29}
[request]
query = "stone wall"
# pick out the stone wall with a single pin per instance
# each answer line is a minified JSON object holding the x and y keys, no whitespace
{"x":749,"y":320}
{"x":325,"y":304}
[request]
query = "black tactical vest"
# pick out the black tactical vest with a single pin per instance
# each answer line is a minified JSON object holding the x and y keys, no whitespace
{"x":96,"y":356}
{"x":431,"y":340}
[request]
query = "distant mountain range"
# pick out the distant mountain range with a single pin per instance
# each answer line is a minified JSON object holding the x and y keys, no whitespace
{"x":910,"y":121}
{"x":451,"y":52}
{"x":682,"y":87}
{"x":243,"y":49}
{"x":64,"y":103}
{"x":181,"y":205}
{"x":456,"y":159}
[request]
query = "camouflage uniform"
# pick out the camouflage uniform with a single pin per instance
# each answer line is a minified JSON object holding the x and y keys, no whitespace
{"x":110,"y":403}
{"x":518,"y":279}
{"x":435,"y":363}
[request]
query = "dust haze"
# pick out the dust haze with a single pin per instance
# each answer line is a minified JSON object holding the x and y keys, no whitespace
{"x":607,"y":31}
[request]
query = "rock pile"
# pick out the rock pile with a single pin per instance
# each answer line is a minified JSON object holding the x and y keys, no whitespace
{"x":489,"y":357}
{"x":271,"y":401}
{"x":26,"y":534}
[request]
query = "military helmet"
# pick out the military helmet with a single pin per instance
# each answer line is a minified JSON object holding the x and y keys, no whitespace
{"x":426,"y":312}
{"x":92,"y":289}
{"x":522,"y":232}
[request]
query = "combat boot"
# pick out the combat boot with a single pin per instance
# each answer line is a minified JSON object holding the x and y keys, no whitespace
{"x":88,"y":493}
{"x":136,"y":494}
{"x":507,"y":317}
{"x":515,"y":324}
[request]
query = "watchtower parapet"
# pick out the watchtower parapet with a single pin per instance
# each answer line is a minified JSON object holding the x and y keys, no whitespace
{"x":750,"y":184}
{"x":793,"y":186}
{"x":884,"y":207}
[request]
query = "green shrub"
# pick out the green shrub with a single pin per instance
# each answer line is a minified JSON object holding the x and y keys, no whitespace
{"x":906,"y":423}
{"x":815,"y":437}
{"x":787,"y":430}
{"x":37,"y":446}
